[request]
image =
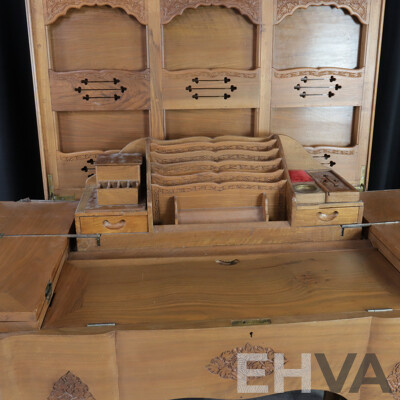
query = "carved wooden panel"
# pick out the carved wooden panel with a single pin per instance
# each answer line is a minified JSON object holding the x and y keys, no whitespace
{"x":70,"y":387}
{"x":358,"y":8}
{"x":75,"y":168}
{"x":100,"y":90}
{"x":317,"y":87}
{"x":53,"y":9}
{"x":344,"y":160}
{"x":172,"y":8}
{"x":205,"y":89}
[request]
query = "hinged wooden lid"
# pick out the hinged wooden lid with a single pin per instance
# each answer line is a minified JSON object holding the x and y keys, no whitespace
{"x":30,"y":266}
{"x":278,"y":69}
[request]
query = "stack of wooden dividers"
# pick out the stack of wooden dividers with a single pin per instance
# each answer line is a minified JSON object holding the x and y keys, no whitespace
{"x":221,"y":180}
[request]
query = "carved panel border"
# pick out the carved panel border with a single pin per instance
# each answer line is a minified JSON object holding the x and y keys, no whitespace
{"x":358,"y":8}
{"x":318,"y":72}
{"x":343,"y":151}
{"x":172,"y":8}
{"x":53,"y":9}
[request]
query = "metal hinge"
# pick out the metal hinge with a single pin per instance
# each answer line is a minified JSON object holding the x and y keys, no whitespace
{"x":362,"y":186}
{"x":52,"y":195}
{"x":50,"y":185}
{"x":48,"y":293}
{"x":101,"y":325}
{"x":249,"y":322}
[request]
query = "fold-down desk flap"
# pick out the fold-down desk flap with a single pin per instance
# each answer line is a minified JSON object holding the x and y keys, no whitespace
{"x":30,"y":266}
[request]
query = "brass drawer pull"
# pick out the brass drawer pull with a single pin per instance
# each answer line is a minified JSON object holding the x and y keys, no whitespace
{"x":222,"y":262}
{"x":116,"y":226}
{"x":327,"y":217}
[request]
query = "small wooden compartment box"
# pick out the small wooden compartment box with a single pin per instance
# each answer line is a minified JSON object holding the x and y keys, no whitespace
{"x":117,"y":192}
{"x":118,"y":167}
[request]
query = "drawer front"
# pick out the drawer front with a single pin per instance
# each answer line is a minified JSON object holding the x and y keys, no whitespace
{"x":113,"y":224}
{"x":327,"y":216}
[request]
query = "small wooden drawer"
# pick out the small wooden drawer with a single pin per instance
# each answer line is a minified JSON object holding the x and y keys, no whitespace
{"x":114,"y":224}
{"x":327,"y":216}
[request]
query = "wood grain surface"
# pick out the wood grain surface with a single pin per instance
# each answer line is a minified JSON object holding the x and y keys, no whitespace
{"x":199,"y":292}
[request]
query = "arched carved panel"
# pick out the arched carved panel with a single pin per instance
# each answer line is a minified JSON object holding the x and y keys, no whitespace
{"x":172,"y":8}
{"x":358,"y":8}
{"x":53,"y":9}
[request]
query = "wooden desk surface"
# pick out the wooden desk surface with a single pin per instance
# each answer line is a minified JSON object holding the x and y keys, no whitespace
{"x":198,"y":292}
{"x":36,"y":217}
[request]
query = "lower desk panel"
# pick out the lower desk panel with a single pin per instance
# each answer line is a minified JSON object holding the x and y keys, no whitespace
{"x":199,"y":363}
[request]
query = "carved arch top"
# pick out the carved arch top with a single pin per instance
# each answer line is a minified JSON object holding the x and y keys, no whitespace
{"x":53,"y":9}
{"x":357,"y":8}
{"x":173,"y":8}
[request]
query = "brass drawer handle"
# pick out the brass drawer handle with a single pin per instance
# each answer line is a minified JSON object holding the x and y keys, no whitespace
{"x":222,"y":262}
{"x":327,"y":217}
{"x":118,"y":225}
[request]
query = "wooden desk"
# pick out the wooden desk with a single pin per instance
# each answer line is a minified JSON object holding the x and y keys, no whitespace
{"x":153,"y":302}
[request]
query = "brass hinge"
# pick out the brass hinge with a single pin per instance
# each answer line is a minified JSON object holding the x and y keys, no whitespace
{"x":380,"y":310}
{"x":52,"y":195}
{"x":249,"y":322}
{"x":50,"y":185}
{"x":64,"y":198}
{"x":48,"y":293}
{"x":362,"y":186}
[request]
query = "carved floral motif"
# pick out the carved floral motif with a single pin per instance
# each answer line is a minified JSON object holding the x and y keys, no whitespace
{"x":358,"y":8}
{"x":225,"y":365}
{"x":394,"y":381}
{"x":172,"y":8}
{"x":70,"y":387}
{"x":54,"y":9}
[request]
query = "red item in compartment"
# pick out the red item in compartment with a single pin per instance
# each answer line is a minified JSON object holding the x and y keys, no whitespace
{"x":298,"y":176}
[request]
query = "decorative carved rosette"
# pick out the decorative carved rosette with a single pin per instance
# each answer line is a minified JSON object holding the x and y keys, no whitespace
{"x":394,"y":381}
{"x":53,"y":9}
{"x":225,"y":365}
{"x":70,"y":387}
{"x":359,"y":8}
{"x":172,"y":8}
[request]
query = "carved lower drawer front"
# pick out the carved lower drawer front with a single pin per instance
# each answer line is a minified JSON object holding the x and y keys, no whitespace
{"x":320,"y":216}
{"x":113,"y":224}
